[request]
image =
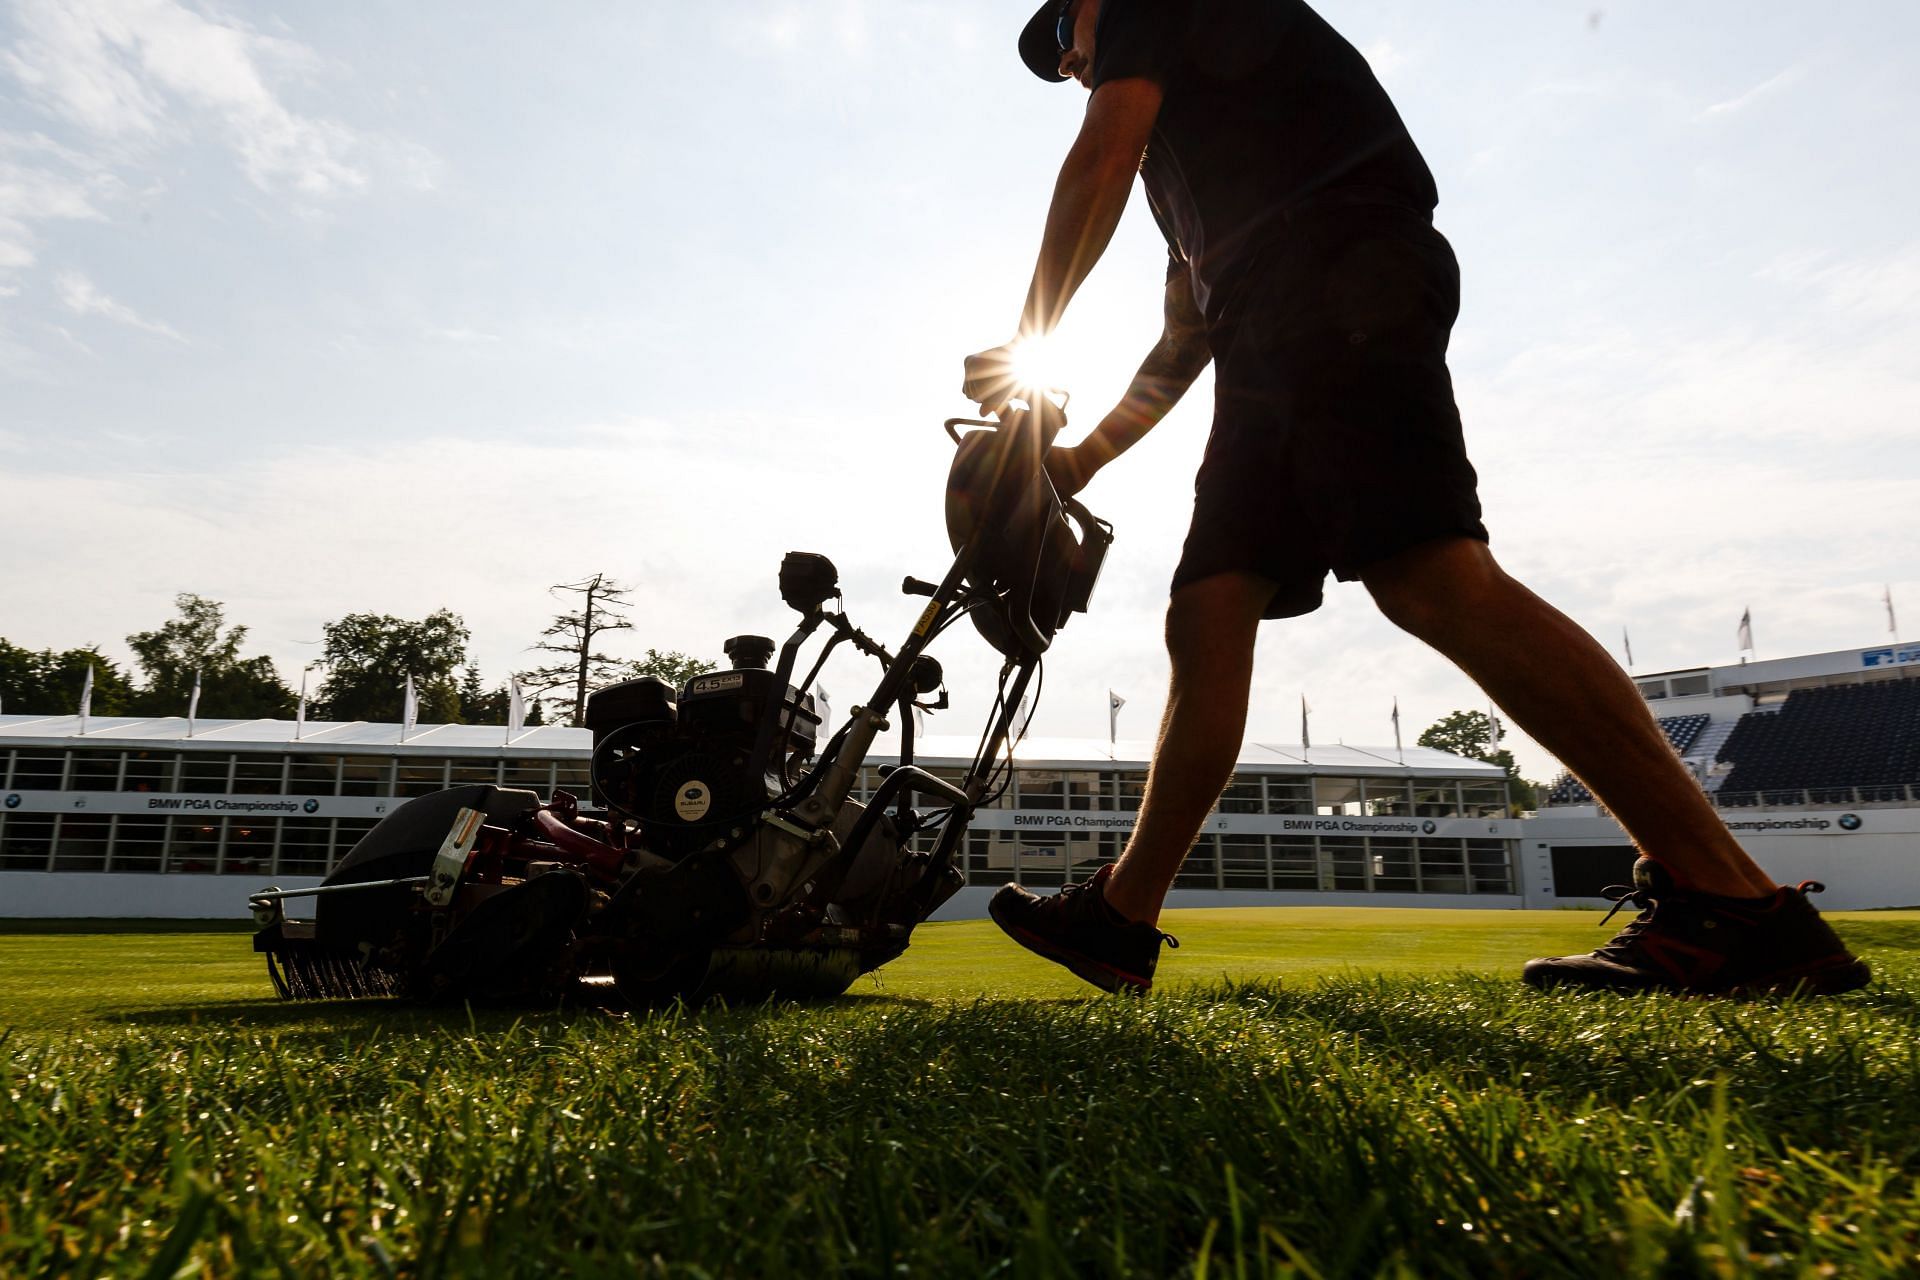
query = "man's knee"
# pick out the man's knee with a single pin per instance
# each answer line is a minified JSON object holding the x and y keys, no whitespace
{"x":1426,"y":588}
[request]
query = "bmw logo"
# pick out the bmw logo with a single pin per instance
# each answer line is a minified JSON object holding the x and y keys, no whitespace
{"x":1429,"y":826}
{"x":311,"y":806}
{"x":13,"y":801}
{"x":1849,"y":822}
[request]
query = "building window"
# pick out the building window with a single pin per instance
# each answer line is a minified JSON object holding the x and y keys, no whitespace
{"x":1243,"y":862}
{"x":95,"y":771}
{"x":1343,"y":864}
{"x":139,"y":842}
{"x":366,"y":776}
{"x":305,"y":846}
{"x":1392,"y":865}
{"x":150,"y":771}
{"x":1388,"y":797}
{"x":1041,"y":789}
{"x":528,"y":775}
{"x":1337,"y":797}
{"x":1443,"y":866}
{"x":1294,"y":863}
{"x":1201,"y":870}
{"x":44,"y":772}
{"x":249,"y":849}
{"x":1435,"y":800}
{"x":1490,"y":865}
{"x":206,"y":773}
{"x":469,"y":772}
{"x":417,"y":776}
{"x":193,"y":846}
{"x":1289,"y":795}
{"x":313,"y":776}
{"x":26,"y":841}
{"x":1243,"y":795}
{"x":260,"y":775}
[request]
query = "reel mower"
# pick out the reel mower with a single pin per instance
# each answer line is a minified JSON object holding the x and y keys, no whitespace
{"x":721,"y":851}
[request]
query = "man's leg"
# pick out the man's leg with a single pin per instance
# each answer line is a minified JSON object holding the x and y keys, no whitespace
{"x":1566,"y":691}
{"x":1211,"y":625}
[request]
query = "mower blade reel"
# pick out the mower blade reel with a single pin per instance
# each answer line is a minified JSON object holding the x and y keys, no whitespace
{"x":510,"y":942}
{"x":749,"y":975}
{"x":303,"y":969}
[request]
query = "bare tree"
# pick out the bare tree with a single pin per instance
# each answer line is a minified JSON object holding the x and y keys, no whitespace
{"x":603,"y":603}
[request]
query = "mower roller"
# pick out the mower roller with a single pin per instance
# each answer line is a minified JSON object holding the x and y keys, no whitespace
{"x":719,"y":853}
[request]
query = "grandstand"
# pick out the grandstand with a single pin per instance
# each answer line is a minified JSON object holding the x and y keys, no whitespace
{"x":1839,"y":728}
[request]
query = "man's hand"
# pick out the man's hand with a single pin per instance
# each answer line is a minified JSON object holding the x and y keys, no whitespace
{"x":990,"y":381}
{"x":1070,"y":466}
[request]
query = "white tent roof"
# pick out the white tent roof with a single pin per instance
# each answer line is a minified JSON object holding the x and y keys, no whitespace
{"x":323,"y":737}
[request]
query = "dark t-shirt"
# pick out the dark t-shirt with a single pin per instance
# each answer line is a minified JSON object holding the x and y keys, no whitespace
{"x":1264,"y":107}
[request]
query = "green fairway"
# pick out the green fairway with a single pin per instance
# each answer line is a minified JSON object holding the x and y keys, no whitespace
{"x":57,"y":980}
{"x":1313,"y":1091}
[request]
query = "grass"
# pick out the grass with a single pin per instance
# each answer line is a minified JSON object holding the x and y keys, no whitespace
{"x":1314,"y":1092}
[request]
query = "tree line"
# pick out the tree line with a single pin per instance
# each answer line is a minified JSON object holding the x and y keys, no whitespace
{"x":365,"y":660}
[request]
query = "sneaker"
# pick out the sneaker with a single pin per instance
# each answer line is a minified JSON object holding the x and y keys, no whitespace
{"x":1077,"y":928}
{"x":1703,"y":944}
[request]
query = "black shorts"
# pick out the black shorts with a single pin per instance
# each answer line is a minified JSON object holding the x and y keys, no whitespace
{"x":1336,"y":442}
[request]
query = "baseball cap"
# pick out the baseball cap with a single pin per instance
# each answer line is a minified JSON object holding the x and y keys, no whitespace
{"x":1039,"y":45}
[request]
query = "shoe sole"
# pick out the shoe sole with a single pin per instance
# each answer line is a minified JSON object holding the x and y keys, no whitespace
{"x":1101,"y":974}
{"x":1831,"y":976}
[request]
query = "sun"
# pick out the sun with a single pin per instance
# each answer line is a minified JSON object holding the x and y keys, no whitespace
{"x":1035,"y":363}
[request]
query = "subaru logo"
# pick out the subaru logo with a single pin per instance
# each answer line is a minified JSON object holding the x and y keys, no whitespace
{"x":1849,"y":822}
{"x":1429,"y":826}
{"x":311,"y":806}
{"x":13,"y":801}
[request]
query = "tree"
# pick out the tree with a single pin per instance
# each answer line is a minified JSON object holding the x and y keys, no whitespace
{"x":369,"y":657}
{"x":478,"y":705}
{"x":1474,"y":735}
{"x":602,"y":605}
{"x":194,"y":645}
{"x":674,"y":667}
{"x":48,"y":683}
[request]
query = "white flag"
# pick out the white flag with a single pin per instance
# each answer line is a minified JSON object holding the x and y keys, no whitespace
{"x":193,"y":703}
{"x":1398,"y":749}
{"x":86,"y":699}
{"x":409,"y":710}
{"x":1746,"y":631}
{"x":1022,"y":717}
{"x":300,"y":713}
{"x":1627,"y":640}
{"x":919,"y":721}
{"x":516,"y":709}
{"x":823,"y":705}
{"x":1306,"y":739}
{"x":1114,"y":703}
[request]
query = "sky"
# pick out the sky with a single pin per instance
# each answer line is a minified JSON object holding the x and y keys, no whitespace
{"x":347,"y":308}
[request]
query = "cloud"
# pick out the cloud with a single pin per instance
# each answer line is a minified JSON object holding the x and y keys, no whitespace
{"x":1766,"y":88}
{"x":78,"y":295}
{"x":1384,"y":58}
{"x":42,"y":181}
{"x":116,"y":68}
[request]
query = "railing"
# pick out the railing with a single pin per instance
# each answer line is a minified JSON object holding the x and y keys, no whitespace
{"x":1819,"y":797}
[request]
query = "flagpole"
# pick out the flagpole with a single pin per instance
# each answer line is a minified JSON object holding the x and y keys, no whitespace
{"x":1398,"y":750}
{"x":300,"y":714}
{"x":193,"y":703}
